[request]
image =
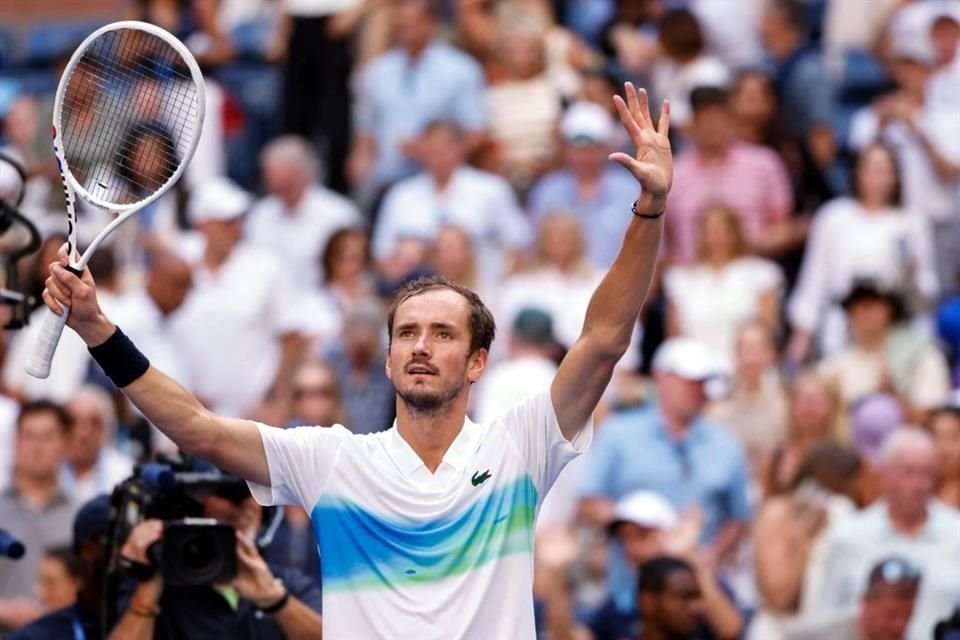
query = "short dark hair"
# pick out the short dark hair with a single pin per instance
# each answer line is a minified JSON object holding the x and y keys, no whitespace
{"x":46,"y":406}
{"x":896,"y":198}
{"x":69,"y":559}
{"x":655,"y":573}
{"x":680,"y":33}
{"x":482,"y":326}
{"x":702,"y":98}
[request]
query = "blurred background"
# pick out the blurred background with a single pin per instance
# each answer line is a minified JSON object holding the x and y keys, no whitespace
{"x":787,"y":417}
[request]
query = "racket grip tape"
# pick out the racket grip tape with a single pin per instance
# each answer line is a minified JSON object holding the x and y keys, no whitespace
{"x":38,"y":365}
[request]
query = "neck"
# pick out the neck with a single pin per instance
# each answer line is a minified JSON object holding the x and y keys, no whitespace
{"x":291,"y":199}
{"x":908,"y":520}
{"x":414,"y":51}
{"x":802,"y":440}
{"x":37,"y":491}
{"x":82,"y":467}
{"x":786,"y":44}
{"x":872,"y":205}
{"x":712,"y":154}
{"x":872,"y":342}
{"x":751,"y":384}
{"x":751,"y":132}
{"x":588,"y":178}
{"x":719,"y":261}
{"x":442,"y":178}
{"x":213,"y":259}
{"x":676,"y":426}
{"x":430,"y":433}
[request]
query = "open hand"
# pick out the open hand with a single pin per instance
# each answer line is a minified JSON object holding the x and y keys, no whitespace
{"x":653,"y":165}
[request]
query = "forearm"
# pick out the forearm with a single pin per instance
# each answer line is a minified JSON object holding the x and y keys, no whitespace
{"x":722,"y":615}
{"x":299,"y":621}
{"x":138,"y":621}
{"x":615,"y":305}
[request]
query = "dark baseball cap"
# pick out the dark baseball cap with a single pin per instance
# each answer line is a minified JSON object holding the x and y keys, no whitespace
{"x":534,"y":326}
{"x":92,"y":521}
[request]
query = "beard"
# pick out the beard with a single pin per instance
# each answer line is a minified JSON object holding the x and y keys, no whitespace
{"x":429,"y":401}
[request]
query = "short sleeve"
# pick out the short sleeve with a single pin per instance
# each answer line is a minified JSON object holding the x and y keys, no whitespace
{"x":533,"y":427}
{"x":300,"y":462}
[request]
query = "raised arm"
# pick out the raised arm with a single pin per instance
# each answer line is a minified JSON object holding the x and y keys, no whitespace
{"x":230,"y":443}
{"x":615,"y":305}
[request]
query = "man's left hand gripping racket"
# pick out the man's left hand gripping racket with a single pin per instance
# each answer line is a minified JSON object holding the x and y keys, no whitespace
{"x":126,"y":120}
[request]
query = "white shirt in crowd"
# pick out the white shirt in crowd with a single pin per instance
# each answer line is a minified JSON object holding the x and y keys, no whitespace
{"x":412,"y":554}
{"x":711,"y":305}
{"x":924,"y":191}
{"x":481,"y":203}
{"x":845,"y":244}
{"x":856,"y":543}
{"x":229,"y":329}
{"x":564,"y":297}
{"x":112,"y":468}
{"x":507,"y":382}
{"x":9,"y":410}
{"x":523,"y":116}
{"x":299,"y":236}
{"x":318,"y":8}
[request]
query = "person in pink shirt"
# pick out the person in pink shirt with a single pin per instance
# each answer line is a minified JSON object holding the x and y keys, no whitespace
{"x":715,"y":168}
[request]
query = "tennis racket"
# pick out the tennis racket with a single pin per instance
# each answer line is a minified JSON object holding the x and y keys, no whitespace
{"x":126,"y":120}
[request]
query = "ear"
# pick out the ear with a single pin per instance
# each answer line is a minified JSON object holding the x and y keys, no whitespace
{"x":386,"y":364}
{"x":476,"y":364}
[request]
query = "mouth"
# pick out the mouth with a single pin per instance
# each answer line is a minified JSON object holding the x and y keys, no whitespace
{"x":421,"y":369}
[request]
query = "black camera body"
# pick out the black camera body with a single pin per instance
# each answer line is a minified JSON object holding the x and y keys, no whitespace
{"x":194,"y":550}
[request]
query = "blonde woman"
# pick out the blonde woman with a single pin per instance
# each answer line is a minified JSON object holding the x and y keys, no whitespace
{"x":712,"y":298}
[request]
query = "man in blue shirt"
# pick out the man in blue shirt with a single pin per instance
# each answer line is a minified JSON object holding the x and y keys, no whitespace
{"x":420,"y":80}
{"x":671,"y":449}
{"x":588,"y":186}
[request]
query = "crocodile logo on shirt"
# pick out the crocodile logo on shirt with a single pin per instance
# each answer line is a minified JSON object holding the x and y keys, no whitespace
{"x":479,"y":478}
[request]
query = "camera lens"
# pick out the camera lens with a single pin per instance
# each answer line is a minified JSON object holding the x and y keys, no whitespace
{"x":196,"y":552}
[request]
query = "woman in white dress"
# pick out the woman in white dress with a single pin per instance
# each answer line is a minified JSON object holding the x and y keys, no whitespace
{"x":868,"y":235}
{"x":712,"y":298}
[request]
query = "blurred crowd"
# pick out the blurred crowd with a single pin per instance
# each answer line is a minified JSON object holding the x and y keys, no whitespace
{"x":778,"y":455}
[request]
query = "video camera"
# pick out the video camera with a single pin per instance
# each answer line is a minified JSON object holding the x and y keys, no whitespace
{"x":194,"y":550}
{"x":19,"y":237}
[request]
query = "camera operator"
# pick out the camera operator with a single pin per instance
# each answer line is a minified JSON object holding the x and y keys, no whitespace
{"x":262,"y":602}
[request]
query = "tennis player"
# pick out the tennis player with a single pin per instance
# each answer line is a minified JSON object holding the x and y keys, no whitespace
{"x":426,"y":529}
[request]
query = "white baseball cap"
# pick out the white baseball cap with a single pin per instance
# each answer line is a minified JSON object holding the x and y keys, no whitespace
{"x":218,"y":199}
{"x":586,"y":123}
{"x":687,"y":358}
{"x":645,"y":509}
{"x":913,"y":49}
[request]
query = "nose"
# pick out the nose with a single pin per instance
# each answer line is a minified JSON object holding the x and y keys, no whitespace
{"x":421,"y":347}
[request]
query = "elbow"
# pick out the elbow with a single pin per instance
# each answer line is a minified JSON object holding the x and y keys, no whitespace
{"x":203,"y":441}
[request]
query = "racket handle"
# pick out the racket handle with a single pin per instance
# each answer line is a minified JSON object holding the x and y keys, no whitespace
{"x":38,"y":365}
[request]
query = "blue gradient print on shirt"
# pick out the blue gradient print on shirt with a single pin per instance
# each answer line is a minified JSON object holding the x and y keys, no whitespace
{"x":364,"y":550}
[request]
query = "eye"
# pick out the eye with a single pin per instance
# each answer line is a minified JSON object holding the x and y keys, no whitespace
{"x":444,"y":335}
{"x":405,"y":333}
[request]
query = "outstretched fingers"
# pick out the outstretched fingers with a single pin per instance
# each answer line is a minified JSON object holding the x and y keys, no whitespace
{"x":639,"y":105}
{"x":629,"y":122}
{"x":663,"y":127}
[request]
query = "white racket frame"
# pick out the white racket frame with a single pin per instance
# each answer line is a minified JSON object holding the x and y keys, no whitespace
{"x":38,"y":365}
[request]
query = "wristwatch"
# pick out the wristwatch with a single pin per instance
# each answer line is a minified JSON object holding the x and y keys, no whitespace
{"x":277,"y":606}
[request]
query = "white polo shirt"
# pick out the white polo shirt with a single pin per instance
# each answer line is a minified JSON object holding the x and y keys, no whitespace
{"x":410,"y":554}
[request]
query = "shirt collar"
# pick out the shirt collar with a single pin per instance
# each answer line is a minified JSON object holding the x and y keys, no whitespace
{"x":456,"y":456}
{"x":694,"y":429}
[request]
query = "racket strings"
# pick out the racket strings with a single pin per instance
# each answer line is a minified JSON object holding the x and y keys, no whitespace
{"x":129,"y":115}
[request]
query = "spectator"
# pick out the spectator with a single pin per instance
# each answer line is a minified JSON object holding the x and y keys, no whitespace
{"x":83,"y":616}
{"x":358,"y":359}
{"x":885,"y":358}
{"x":758,"y":120}
{"x":731,"y":30}
{"x":884,"y":610}
{"x":9,"y":408}
{"x":315,"y":41}
{"x":676,"y":600}
{"x":628,"y":40}
{"x":94,"y":465}
{"x":756,"y":407}
{"x":872,"y":420}
{"x":869,"y":235}
{"x":806,"y":96}
{"x":58,"y":579}
{"x":347,"y":271}
{"x":925,"y":136}
{"x":944,"y":425}
{"x":317,"y":398}
{"x":711,"y":298}
{"x":788,"y":535}
{"x":589,"y":187}
{"x":684,"y":64}
{"x":530,"y":366}
{"x":524,"y":106}
{"x":815,"y":416}
{"x":906,"y":521}
{"x":945,"y":38}
{"x":240,"y":296}
{"x":451,"y":192}
{"x":454,"y":257}
{"x":561,"y":283}
{"x":750,"y":179}
{"x":35,"y":508}
{"x":647,"y":527}
{"x":297,"y":218}
{"x":670,"y":448}
{"x":419,"y":81}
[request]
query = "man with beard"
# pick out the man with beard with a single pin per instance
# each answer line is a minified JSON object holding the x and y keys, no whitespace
{"x":426,"y":529}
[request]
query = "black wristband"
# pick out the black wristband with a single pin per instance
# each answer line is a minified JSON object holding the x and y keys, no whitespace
{"x":278,"y":605}
{"x":647,"y":216}
{"x":120,"y":359}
